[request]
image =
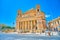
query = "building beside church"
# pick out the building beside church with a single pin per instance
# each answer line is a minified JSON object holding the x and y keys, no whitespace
{"x":32,"y":21}
{"x":54,"y":25}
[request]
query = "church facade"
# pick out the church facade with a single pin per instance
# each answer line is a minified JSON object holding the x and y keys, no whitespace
{"x":32,"y":21}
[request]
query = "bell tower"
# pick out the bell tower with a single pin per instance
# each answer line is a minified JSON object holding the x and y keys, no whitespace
{"x":19,"y":13}
{"x":38,"y":8}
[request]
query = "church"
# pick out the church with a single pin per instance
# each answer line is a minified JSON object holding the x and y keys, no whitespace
{"x":32,"y":21}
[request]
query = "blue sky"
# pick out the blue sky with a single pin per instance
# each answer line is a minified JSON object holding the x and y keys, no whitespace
{"x":8,"y":9}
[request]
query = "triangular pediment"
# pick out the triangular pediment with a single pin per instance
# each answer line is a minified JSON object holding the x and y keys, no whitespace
{"x":30,"y":13}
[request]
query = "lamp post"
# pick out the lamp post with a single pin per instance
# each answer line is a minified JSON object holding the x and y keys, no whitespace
{"x":13,"y":26}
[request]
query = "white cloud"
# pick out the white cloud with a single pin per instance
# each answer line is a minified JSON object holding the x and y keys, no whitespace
{"x":47,"y":16}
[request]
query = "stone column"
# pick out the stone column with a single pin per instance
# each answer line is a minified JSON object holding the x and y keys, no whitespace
{"x":34,"y":26}
{"x":25,"y":25}
{"x":17,"y":26}
{"x":28,"y":25}
{"x":20,"y":26}
{"x":34,"y":23}
{"x":53,"y":25}
{"x":31,"y":26}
